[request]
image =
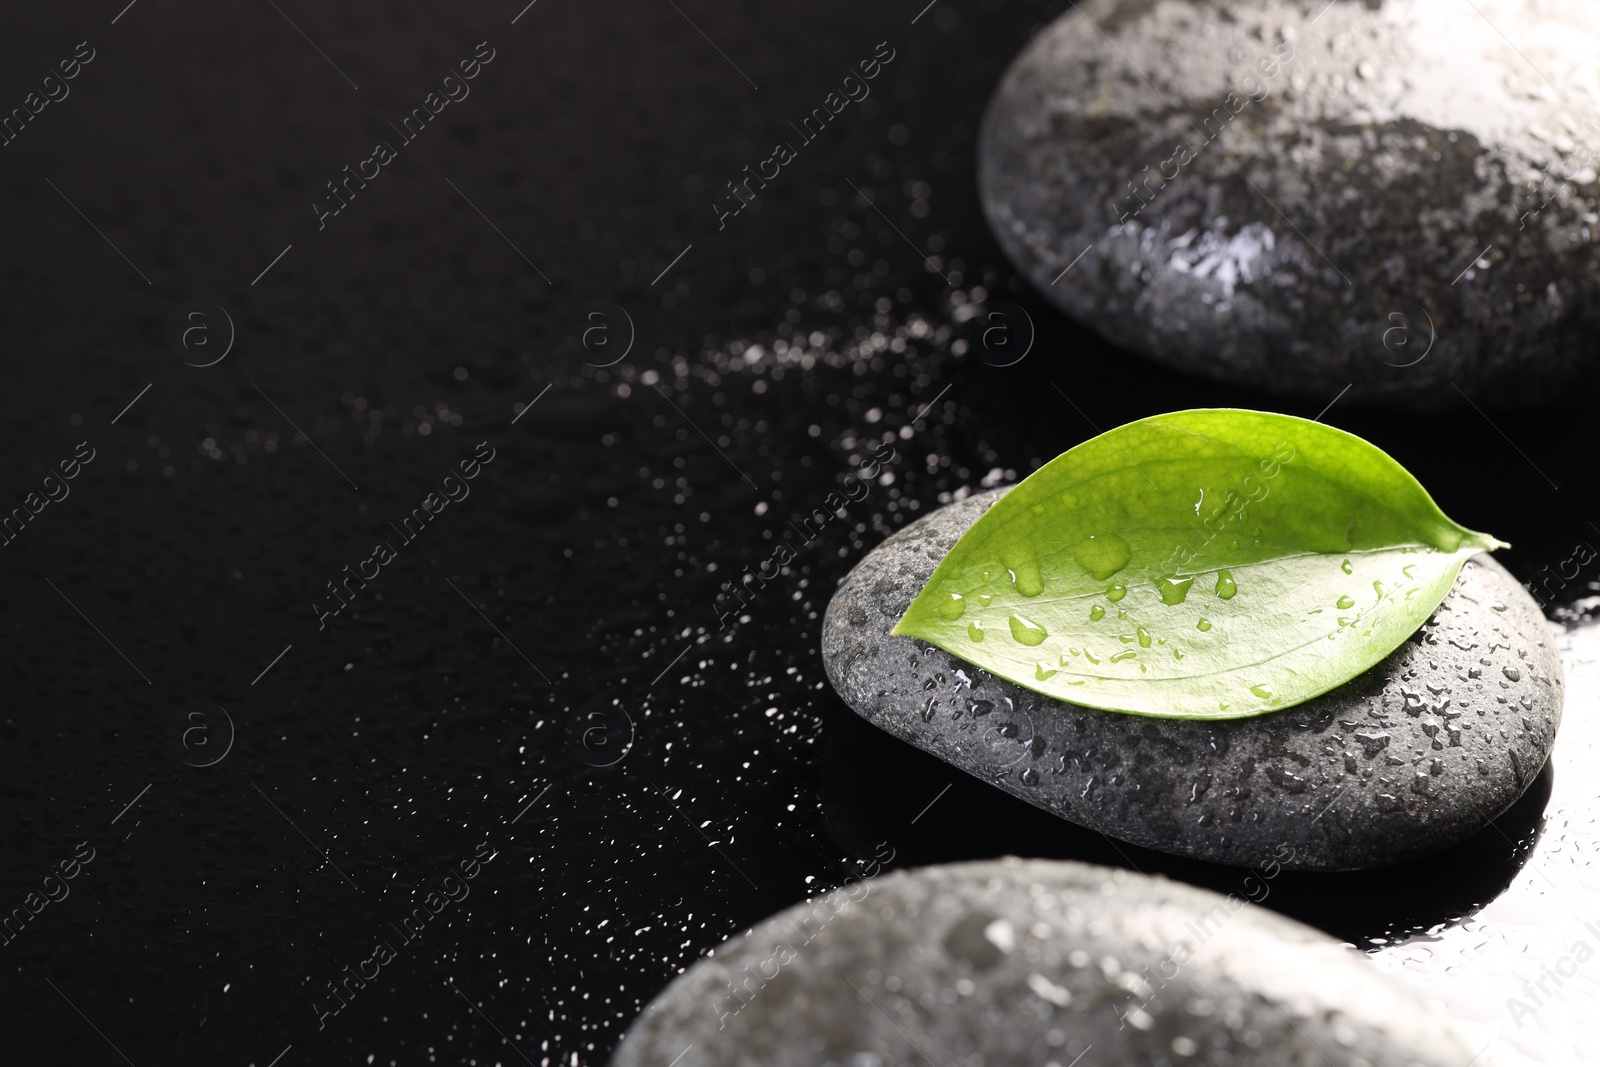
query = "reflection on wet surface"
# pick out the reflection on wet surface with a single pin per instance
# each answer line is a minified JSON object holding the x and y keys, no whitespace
{"x":1502,"y":931}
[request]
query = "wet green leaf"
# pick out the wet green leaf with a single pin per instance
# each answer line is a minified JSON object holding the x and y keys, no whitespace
{"x":1209,"y":564}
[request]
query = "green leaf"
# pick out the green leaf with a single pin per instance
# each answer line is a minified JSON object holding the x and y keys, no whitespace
{"x":1209,"y":564}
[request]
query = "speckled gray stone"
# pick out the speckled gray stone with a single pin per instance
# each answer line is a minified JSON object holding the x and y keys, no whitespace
{"x":1034,"y":962}
{"x":1276,"y":234}
{"x":1419,"y":752}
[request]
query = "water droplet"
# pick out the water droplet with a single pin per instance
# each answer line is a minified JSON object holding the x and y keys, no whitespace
{"x":1116,"y":592}
{"x":1121,"y":614}
{"x":1144,"y":637}
{"x":1512,"y":673}
{"x":1345,"y":566}
{"x":1344,"y":621}
{"x":1173,"y":588}
{"x":1203,"y":625}
{"x":1027,"y":632}
{"x":983,"y":599}
{"x":1226,"y":586}
{"x":1025,"y":576}
{"x":1380,"y":589}
{"x":1102,"y":555}
{"x":1264,"y":692}
{"x":1409,"y":570}
{"x":1088,"y":654}
{"x":953,"y":608}
{"x":1041,"y":673}
{"x":1126,"y":654}
{"x":1177,"y":653}
{"x":1344,"y":602}
{"x":975,"y":631}
{"x":1097,"y":613}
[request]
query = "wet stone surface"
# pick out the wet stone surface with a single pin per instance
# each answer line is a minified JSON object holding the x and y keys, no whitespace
{"x":1298,"y":195}
{"x":1016,"y":961}
{"x":1419,"y":752}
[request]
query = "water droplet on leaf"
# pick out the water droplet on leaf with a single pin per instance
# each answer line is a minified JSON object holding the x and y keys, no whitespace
{"x":1102,"y":555}
{"x":1027,"y":632}
{"x":1226,"y":586}
{"x":1173,"y":588}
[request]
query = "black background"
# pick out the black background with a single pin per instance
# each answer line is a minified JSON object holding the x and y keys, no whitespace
{"x":445,"y":707}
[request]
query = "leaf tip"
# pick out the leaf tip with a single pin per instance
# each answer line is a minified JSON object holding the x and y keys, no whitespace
{"x":1486,"y":542}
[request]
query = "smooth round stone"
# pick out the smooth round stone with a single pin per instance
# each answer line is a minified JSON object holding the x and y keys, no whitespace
{"x":1391,"y":196}
{"x":1034,"y":962}
{"x":1421,"y":751}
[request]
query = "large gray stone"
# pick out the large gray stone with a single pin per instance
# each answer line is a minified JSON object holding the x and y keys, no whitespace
{"x":1421,"y":751}
{"x":1328,"y":222}
{"x":1034,"y":962}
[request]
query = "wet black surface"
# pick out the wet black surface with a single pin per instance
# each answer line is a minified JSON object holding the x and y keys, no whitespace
{"x":371,"y":758}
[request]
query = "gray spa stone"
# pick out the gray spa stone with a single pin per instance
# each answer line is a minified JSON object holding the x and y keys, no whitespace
{"x":1421,"y":751}
{"x":1034,"y":962}
{"x":1385,"y":171}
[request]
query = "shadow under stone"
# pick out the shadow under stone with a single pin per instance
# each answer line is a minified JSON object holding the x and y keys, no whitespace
{"x":877,"y":789}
